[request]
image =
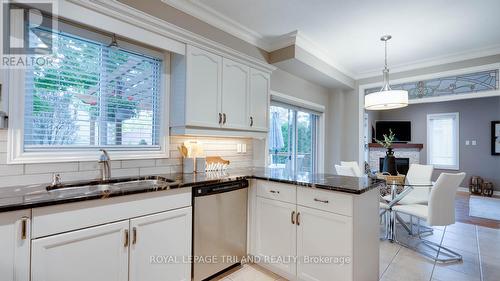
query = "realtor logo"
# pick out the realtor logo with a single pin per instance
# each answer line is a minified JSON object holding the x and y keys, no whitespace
{"x":27,"y":33}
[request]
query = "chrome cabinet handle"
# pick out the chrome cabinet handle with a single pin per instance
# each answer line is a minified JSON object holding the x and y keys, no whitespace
{"x":223,"y":118}
{"x":298,"y":218}
{"x":134,"y":235}
{"x":274,"y":191}
{"x":322,"y":201}
{"x":126,"y":238}
{"x":251,"y":121}
{"x":220,"y":118}
{"x":24,"y":228}
{"x":293,"y":217}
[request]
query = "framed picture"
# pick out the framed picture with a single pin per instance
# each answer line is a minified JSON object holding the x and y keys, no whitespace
{"x":495,"y":137}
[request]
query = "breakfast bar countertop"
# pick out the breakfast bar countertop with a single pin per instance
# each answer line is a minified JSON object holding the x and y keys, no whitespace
{"x":32,"y":196}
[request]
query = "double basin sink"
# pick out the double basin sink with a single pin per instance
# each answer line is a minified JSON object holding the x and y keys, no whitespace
{"x":96,"y":187}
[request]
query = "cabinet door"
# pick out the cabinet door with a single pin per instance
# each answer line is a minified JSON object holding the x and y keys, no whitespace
{"x":258,"y":100}
{"x":323,"y":234}
{"x":275,"y":235}
{"x":234,"y":94}
{"x":15,"y":245}
{"x":167,"y":234}
{"x":96,"y":253}
{"x":203,"y":88}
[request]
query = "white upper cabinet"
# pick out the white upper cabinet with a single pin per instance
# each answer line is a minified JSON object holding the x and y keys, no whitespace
{"x":15,"y":245}
{"x":96,"y":253}
{"x":216,"y":95}
{"x":235,"y":87}
{"x":203,"y":87}
{"x":258,"y":100}
{"x":167,"y":233}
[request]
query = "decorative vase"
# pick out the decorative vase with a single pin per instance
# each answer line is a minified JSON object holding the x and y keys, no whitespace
{"x":390,"y":163}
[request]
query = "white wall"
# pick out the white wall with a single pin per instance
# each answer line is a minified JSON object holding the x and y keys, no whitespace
{"x":342,"y":128}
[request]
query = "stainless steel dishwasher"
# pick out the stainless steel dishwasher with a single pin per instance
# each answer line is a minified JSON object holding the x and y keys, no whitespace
{"x":219,"y":227}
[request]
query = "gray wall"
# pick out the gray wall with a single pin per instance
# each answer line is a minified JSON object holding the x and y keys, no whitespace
{"x":475,"y":124}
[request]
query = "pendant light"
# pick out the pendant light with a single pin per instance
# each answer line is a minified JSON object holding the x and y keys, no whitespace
{"x":386,"y":98}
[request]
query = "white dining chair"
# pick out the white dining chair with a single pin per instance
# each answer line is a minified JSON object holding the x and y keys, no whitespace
{"x":419,"y":176}
{"x":440,"y":211}
{"x":347,"y":171}
{"x":354,"y":165}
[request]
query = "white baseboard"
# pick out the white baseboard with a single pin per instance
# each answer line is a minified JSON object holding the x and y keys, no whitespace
{"x":465,"y":189}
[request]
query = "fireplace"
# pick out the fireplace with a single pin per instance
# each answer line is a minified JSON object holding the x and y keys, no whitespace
{"x":402,"y":165}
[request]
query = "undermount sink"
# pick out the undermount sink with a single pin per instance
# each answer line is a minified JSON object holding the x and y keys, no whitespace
{"x":114,"y":184}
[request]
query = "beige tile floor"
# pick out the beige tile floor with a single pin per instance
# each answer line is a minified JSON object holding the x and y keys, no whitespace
{"x":479,"y":246}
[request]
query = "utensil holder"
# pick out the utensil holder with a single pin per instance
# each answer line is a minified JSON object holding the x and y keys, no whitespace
{"x":188,"y":165}
{"x":201,"y":164}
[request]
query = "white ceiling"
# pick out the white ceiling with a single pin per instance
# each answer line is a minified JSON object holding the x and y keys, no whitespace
{"x":346,"y":33}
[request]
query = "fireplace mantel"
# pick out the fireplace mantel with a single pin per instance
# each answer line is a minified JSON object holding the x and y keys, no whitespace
{"x":411,"y":151}
{"x":418,"y":146}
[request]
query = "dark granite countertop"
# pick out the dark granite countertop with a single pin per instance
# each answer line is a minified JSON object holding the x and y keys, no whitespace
{"x":32,"y":196}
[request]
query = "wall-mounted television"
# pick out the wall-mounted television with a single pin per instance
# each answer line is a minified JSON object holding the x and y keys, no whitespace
{"x":401,"y":129}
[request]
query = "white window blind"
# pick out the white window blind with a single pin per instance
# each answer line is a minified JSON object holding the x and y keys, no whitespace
{"x":92,"y":95}
{"x":443,"y":141}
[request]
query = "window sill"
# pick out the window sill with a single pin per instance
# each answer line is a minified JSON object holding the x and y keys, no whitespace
{"x":81,"y":156}
{"x":443,"y":167}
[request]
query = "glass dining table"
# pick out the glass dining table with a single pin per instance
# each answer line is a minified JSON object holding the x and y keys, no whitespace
{"x":397,"y":192}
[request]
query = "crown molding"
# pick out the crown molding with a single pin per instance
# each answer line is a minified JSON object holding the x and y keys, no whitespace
{"x":121,"y":11}
{"x":435,"y":61}
{"x":318,"y":51}
{"x":205,"y":13}
{"x":212,"y":17}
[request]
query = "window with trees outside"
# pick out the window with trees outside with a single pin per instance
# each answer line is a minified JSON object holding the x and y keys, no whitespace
{"x":293,"y":136}
{"x":95,"y":94}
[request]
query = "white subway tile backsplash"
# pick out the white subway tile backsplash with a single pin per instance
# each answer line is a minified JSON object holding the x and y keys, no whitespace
{"x":94,"y":165}
{"x":138,"y":163}
{"x":79,"y":176}
{"x":11,"y":170}
{"x":25,"y":180}
{"x":168,"y":162}
{"x":154,"y":170}
{"x":51,"y":168}
{"x":3,"y":147}
{"x":42,"y":173}
{"x":3,"y":158}
{"x":3,"y":135}
{"x":130,"y":172}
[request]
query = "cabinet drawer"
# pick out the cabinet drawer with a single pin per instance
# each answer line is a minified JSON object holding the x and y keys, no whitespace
{"x":329,"y":201}
{"x":67,"y":217}
{"x":277,"y":191}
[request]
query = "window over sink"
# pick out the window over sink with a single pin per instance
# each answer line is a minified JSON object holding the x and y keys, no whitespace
{"x":98,"y":92}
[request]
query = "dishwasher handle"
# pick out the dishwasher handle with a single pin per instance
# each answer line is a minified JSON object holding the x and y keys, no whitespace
{"x":219,"y":188}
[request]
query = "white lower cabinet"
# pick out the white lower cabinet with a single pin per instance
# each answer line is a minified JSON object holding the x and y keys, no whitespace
{"x":119,"y":251}
{"x":329,"y":235}
{"x":324,"y":245}
{"x":165,"y":234}
{"x":275,"y":235}
{"x":15,"y":245}
{"x":95,"y":253}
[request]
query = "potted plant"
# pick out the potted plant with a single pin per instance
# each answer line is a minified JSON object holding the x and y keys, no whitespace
{"x":390,"y":159}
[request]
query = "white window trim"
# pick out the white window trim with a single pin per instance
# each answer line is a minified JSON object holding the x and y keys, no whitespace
{"x":457,"y":141}
{"x":15,"y":139}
